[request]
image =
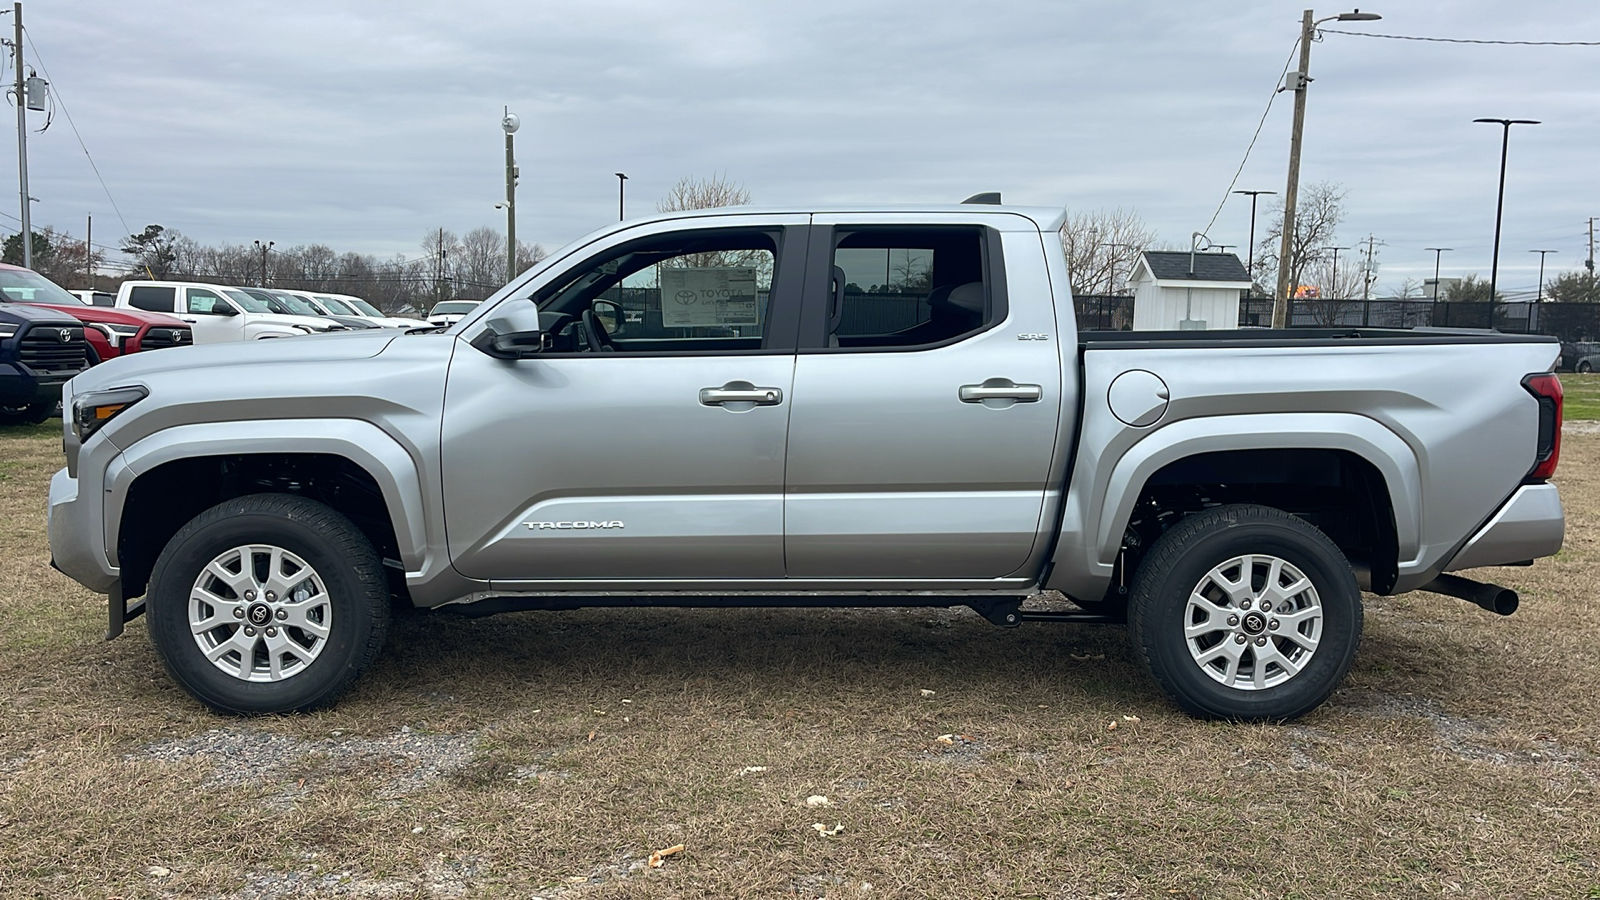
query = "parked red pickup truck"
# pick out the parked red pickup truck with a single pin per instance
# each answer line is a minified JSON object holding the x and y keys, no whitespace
{"x":110,"y":332}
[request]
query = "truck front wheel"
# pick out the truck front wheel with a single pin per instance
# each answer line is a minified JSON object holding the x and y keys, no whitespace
{"x":28,"y":414}
{"x":1246,"y":612}
{"x":267,"y":603}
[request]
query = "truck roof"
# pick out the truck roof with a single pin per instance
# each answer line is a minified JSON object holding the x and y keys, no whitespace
{"x":1048,"y":218}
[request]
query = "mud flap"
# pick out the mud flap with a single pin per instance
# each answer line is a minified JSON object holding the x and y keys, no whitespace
{"x":119,"y":613}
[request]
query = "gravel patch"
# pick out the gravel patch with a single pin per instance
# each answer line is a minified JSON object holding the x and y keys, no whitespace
{"x":442,"y":879}
{"x":409,"y":759}
{"x":1471,"y":739}
{"x":1585,"y":427}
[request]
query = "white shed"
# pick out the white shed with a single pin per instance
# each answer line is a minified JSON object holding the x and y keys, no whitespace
{"x":1177,"y":291}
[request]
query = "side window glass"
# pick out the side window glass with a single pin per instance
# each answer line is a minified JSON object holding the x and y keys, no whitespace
{"x":700,"y":291}
{"x":908,"y":288}
{"x":204,"y":303}
{"x":154,"y":299}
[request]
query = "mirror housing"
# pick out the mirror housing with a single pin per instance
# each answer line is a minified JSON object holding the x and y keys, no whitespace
{"x":512,"y":332}
{"x":225,"y":310}
{"x":619,"y":318}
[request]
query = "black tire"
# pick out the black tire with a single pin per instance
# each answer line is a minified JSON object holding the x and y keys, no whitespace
{"x":30,"y":414}
{"x":357,"y":601}
{"x":1585,"y":367}
{"x":1159,"y":612}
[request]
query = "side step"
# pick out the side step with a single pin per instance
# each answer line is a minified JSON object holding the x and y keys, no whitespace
{"x":1009,"y":614}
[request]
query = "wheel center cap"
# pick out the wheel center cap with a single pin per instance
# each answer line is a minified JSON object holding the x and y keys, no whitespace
{"x":258,"y":614}
{"x":1254,"y":623}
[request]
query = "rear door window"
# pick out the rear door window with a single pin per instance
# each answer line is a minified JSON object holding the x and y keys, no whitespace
{"x":152,"y":298}
{"x":911,"y":287}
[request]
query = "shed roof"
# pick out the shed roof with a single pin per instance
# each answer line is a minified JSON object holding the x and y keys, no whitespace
{"x":1174,"y":265}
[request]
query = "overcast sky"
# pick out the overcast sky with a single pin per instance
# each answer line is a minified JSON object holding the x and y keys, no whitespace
{"x":362,"y":125}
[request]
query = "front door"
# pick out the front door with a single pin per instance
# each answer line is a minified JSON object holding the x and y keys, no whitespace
{"x":647,"y":443}
{"x":213,"y":318}
{"x":926,"y":408}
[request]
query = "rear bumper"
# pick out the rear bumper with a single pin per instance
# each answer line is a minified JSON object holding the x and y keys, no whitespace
{"x":1530,"y":525}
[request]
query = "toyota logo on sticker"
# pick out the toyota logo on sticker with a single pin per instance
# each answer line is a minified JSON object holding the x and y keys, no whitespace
{"x":65,"y":335}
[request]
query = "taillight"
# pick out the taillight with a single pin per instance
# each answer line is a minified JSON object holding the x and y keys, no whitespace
{"x":1546,"y":388}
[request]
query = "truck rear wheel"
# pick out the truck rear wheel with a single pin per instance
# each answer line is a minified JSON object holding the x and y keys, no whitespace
{"x":1246,"y":612}
{"x":268,"y":604}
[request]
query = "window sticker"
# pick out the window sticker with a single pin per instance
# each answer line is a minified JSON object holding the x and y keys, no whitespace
{"x":712,"y":296}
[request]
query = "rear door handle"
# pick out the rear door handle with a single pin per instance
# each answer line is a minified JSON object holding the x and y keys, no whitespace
{"x":1001,"y":389}
{"x":737,"y":393}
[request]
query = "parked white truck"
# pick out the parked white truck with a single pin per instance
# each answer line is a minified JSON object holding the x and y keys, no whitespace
{"x":218,"y":314}
{"x":714,"y":408}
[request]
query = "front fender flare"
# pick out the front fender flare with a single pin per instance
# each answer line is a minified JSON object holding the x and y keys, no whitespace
{"x":363,"y":443}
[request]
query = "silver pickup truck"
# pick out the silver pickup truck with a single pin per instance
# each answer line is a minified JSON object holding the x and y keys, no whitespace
{"x":812,"y":408}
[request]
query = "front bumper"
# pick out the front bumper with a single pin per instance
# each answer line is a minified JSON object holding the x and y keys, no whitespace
{"x":1530,"y":525}
{"x":20,"y":387}
{"x":75,"y":538}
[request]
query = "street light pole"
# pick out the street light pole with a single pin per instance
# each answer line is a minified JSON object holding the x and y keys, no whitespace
{"x":1250,"y":250}
{"x":1333,"y":283}
{"x":510,"y":123}
{"x":1500,"y":203}
{"x":22,"y":143}
{"x":622,"y":181}
{"x":1437,"y":252}
{"x":1540,"y":297}
{"x":1297,"y":82}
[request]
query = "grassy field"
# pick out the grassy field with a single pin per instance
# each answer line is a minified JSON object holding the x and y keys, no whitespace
{"x":1581,"y":396}
{"x":548,"y":754}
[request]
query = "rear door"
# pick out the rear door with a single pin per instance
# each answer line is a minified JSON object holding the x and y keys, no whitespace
{"x":926,"y":402}
{"x":652,"y":450}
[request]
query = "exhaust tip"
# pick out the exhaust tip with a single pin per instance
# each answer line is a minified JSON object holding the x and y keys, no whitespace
{"x":1505,"y":602}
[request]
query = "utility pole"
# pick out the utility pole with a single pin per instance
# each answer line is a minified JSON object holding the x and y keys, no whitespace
{"x":88,"y":254}
{"x":265,"y":249}
{"x":1250,"y":251}
{"x":1366,"y":277}
{"x":1589,"y":263}
{"x":1297,"y":82}
{"x":1437,"y":251}
{"x":1539,"y":298}
{"x":22,"y":142}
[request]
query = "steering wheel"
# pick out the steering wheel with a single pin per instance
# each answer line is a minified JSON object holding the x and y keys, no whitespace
{"x":594,"y":333}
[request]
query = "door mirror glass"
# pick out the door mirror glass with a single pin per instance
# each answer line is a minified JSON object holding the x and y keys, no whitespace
{"x":611,"y":316}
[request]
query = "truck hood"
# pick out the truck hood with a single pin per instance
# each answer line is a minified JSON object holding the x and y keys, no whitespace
{"x":114,"y":316}
{"x":317,"y":322}
{"x":27,"y":313}
{"x":214,"y":360}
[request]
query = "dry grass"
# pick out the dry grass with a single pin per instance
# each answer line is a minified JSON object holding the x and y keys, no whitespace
{"x":547,"y":755}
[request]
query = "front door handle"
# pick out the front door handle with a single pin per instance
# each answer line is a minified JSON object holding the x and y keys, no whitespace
{"x":1001,"y":389}
{"x":740,"y":395}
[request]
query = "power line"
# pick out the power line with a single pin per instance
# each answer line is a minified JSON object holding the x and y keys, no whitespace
{"x":1439,"y":40}
{"x":1270,"y":100}
{"x":63,"y":104}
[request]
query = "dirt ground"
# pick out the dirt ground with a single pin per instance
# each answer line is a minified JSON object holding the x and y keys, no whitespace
{"x":846,"y":753}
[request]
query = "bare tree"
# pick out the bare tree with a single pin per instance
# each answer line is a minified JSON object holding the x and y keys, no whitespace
{"x":480,"y":269}
{"x":1316,"y":225}
{"x":703,"y":193}
{"x":443,"y":249}
{"x":1101,"y":248}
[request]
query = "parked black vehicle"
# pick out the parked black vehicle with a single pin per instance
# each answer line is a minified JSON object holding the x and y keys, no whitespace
{"x":40,"y":348}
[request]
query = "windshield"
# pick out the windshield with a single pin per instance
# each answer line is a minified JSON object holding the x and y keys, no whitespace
{"x":335,"y":305}
{"x":247,"y":302}
{"x":364,"y":306}
{"x":453,"y":308}
{"x":296,"y":305}
{"x":25,"y":286}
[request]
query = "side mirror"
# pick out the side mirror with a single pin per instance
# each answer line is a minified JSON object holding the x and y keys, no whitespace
{"x":611,"y":315}
{"x":512,"y":331}
{"x":224,"y":309}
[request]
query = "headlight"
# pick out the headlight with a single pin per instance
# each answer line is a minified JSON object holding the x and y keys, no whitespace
{"x":7,"y":330}
{"x":124,"y":330}
{"x":305,"y":328}
{"x":92,"y":410}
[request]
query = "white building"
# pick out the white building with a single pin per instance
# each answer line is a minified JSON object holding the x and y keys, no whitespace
{"x":1179,"y":291}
